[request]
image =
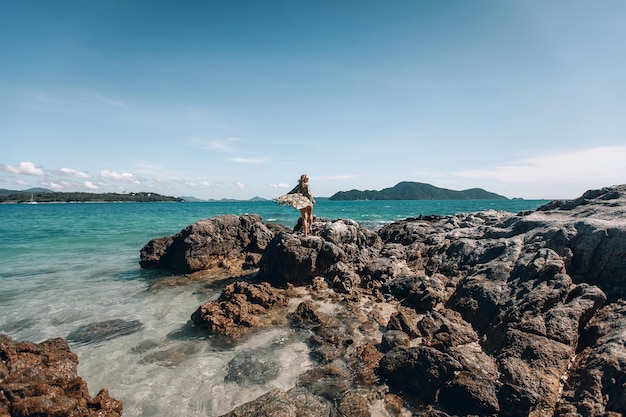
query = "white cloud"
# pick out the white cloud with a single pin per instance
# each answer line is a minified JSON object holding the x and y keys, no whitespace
{"x":240,"y":185}
{"x":73,"y":173}
{"x":255,"y":161}
{"x":90,"y":185}
{"x":122,"y":177}
{"x":281,"y":185}
{"x":24,"y":168}
{"x":595,"y":165}
{"x":52,"y":185}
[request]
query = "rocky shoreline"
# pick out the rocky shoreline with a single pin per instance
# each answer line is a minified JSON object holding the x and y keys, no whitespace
{"x":489,"y":313}
{"x":42,"y":380}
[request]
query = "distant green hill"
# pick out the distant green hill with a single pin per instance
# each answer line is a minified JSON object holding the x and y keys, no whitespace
{"x":48,"y":196}
{"x":416,"y":191}
{"x":4,"y":191}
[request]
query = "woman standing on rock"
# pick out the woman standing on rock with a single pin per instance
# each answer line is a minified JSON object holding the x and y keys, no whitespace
{"x":301,"y":199}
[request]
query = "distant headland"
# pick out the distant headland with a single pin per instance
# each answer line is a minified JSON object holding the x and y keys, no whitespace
{"x":43,"y":195}
{"x":416,"y":191}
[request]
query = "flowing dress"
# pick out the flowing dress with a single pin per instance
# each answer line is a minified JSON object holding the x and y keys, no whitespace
{"x":298,"y":198}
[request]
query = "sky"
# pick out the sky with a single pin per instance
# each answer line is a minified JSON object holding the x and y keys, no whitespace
{"x":236,"y":99}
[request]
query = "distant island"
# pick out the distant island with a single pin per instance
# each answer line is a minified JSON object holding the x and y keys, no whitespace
{"x":416,"y":191}
{"x":191,"y":199}
{"x":42,"y":195}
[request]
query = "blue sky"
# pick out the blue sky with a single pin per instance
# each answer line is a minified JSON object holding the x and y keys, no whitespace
{"x":236,"y":99}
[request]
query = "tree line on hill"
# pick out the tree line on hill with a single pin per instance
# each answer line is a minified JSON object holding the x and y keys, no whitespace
{"x":82,"y":197}
{"x":416,"y":191}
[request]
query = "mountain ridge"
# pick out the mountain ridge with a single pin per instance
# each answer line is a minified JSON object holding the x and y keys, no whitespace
{"x":408,"y":190}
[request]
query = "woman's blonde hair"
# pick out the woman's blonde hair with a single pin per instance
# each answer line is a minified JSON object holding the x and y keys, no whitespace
{"x":303,"y":178}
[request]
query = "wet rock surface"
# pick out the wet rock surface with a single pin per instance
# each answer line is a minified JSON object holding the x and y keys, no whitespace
{"x":228,"y":243}
{"x":241,"y":307}
{"x":296,"y":402}
{"x":253,"y":368}
{"x":489,"y":314}
{"x":42,"y":380}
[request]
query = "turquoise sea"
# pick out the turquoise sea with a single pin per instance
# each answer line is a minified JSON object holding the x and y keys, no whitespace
{"x":63,"y":266}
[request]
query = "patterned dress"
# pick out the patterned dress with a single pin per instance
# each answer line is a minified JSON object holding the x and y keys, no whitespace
{"x":298,"y":198}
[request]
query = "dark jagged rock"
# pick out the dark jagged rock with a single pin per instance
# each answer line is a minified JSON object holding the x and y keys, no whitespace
{"x":354,"y":405}
{"x":488,"y":313}
{"x":597,"y":386}
{"x":419,"y":371}
{"x":404,"y":319}
{"x":240,"y":308}
{"x":291,"y":259}
{"x":41,"y":380}
{"x":307,"y":315}
{"x":393,"y":339}
{"x":420,"y":292}
{"x":445,"y":330}
{"x":527,"y":285}
{"x":228,"y":243}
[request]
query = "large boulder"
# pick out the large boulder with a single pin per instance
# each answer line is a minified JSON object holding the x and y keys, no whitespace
{"x":228,"y":242}
{"x":240,"y":308}
{"x":339,"y":248}
{"x":41,"y":380}
{"x":419,"y":371}
{"x":291,"y":259}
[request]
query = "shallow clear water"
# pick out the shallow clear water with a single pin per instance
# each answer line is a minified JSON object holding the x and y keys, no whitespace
{"x":63,"y":266}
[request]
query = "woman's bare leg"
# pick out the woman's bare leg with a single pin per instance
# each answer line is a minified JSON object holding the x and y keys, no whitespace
{"x":303,"y":212}
{"x":309,"y":212}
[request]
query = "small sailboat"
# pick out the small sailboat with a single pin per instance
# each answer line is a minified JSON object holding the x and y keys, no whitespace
{"x":32,"y":199}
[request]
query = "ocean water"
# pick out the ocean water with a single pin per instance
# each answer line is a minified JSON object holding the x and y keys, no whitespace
{"x":65,"y":266}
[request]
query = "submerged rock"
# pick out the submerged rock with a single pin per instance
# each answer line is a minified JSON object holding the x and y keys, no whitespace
{"x":41,"y":380}
{"x":256,"y":367}
{"x":171,"y":356}
{"x":104,"y":330}
{"x":296,"y":402}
